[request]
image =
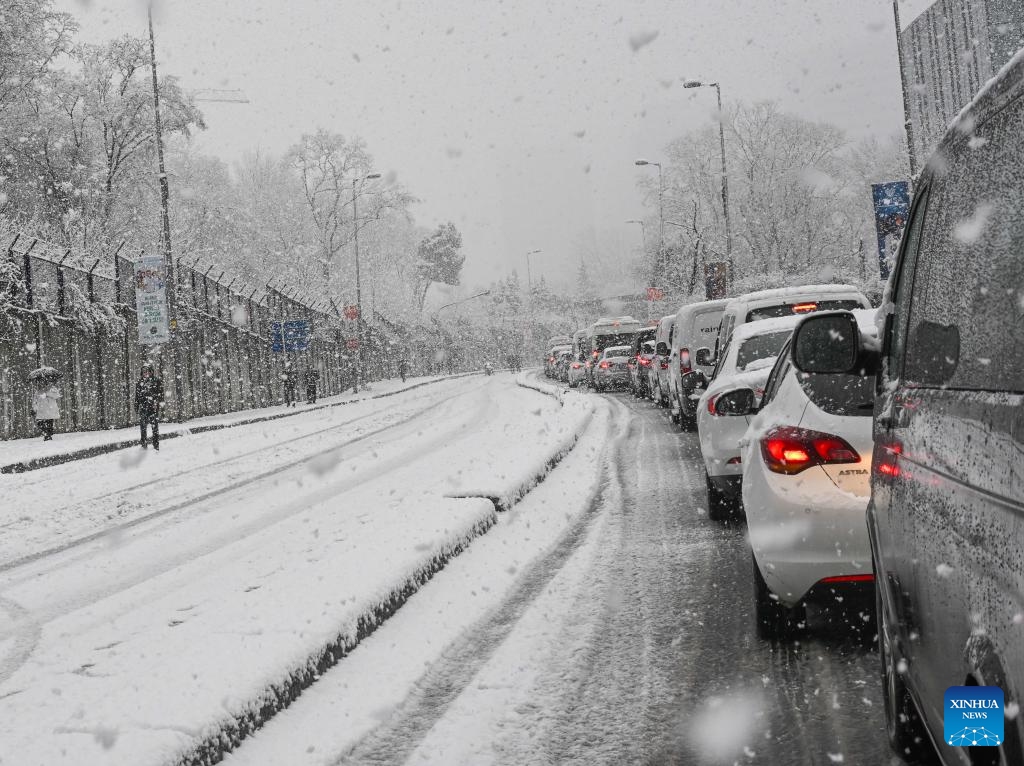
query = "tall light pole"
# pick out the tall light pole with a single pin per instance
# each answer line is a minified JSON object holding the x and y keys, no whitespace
{"x":171,"y":281}
{"x":725,"y":175}
{"x":356,"y":182}
{"x":529,"y":277}
{"x":661,"y":208}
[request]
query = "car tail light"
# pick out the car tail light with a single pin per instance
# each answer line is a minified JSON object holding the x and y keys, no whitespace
{"x":847,"y":578}
{"x":551,"y":359}
{"x":644,"y":362}
{"x":684,"y":361}
{"x":595,"y":353}
{"x":711,"y":403}
{"x":663,"y":364}
{"x":803,"y":308}
{"x":576,"y":365}
{"x":790,"y":450}
{"x":604,"y":365}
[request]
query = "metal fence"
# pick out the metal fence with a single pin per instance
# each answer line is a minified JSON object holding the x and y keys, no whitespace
{"x":76,"y":313}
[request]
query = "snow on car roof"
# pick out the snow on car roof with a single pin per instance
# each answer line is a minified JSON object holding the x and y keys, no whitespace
{"x":788,"y":292}
{"x":765,"y":326}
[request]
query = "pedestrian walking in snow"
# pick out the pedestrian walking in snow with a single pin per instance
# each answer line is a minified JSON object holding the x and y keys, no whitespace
{"x":288,"y":376}
{"x":149,"y":397}
{"x":46,"y":409}
{"x":403,"y":369}
{"x":311,"y":377}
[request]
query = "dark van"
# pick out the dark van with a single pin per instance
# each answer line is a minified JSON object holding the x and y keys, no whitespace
{"x":946,"y":516}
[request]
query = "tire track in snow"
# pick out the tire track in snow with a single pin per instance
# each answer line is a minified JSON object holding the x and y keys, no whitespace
{"x":117,"y":529}
{"x":397,"y":738}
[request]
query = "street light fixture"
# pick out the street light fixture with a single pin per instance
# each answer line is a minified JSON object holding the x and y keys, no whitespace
{"x":529,"y":277}
{"x":725,"y":177}
{"x":356,"y":182}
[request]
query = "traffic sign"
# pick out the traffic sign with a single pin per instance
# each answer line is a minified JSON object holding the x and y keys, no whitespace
{"x":290,"y":335}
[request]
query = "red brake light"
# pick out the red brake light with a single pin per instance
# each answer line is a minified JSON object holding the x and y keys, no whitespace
{"x":576,"y":365}
{"x":605,"y":364}
{"x":663,"y":364}
{"x":803,"y":308}
{"x":711,"y":403}
{"x":644,"y":362}
{"x":596,"y":353}
{"x":848,"y":578}
{"x":790,"y":450}
{"x":684,"y":361}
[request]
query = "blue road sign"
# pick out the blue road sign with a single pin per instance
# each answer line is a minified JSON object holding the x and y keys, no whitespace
{"x":290,"y":335}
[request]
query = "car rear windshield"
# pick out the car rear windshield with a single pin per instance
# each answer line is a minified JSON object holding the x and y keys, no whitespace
{"x":760,"y":347}
{"x":786,"y":309}
{"x":851,"y":395}
{"x":616,"y":351}
{"x":601,"y":342}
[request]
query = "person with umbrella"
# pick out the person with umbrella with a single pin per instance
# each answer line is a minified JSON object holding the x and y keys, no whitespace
{"x":149,"y":395}
{"x":44,"y":400}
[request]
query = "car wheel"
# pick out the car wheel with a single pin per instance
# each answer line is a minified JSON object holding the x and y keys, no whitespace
{"x":687,"y":423}
{"x":774,"y":619}
{"x":903,"y":725}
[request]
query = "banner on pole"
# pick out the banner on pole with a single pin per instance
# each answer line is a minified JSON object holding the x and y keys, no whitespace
{"x":290,"y":335}
{"x":151,"y":300}
{"x":892,"y":204}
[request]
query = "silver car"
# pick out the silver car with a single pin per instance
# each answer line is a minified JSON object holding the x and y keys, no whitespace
{"x":611,"y":369}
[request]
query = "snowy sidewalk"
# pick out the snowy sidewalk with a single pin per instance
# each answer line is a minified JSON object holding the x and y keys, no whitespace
{"x":19,"y":455}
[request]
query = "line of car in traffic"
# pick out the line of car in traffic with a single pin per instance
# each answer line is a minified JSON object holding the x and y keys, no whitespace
{"x":879,"y":451}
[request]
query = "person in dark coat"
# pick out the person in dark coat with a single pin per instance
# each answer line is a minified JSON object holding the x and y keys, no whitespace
{"x":311,"y":377}
{"x":403,"y":369}
{"x":288,"y":376}
{"x":149,"y":397}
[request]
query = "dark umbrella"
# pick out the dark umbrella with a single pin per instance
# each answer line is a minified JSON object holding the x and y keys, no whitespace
{"x":45,"y":375}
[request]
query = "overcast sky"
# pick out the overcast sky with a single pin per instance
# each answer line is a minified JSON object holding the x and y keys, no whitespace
{"x":518,"y":120}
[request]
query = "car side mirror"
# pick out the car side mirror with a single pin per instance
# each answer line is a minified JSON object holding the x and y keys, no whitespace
{"x":703,"y":357}
{"x":661,"y":349}
{"x":739,"y":402}
{"x":826,"y":343}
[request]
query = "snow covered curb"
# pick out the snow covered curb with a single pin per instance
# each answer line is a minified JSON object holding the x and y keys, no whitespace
{"x":221,"y":738}
{"x":174,"y":430}
{"x":573,"y":416}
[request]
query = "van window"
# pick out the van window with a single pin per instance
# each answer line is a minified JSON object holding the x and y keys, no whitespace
{"x":966,"y":328}
{"x":786,"y":309}
{"x":905,"y":283}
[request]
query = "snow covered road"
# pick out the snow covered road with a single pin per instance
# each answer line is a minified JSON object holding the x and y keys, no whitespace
{"x":167,"y":607}
{"x":623,"y":635}
{"x":244,"y":563}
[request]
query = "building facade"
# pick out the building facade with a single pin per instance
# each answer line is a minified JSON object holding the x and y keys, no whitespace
{"x":949,"y":52}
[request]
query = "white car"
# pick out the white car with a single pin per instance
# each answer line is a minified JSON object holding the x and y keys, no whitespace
{"x":786,"y":301}
{"x":806,"y":479}
{"x":611,"y":370}
{"x":744,"y":364}
{"x":578,"y":370}
{"x":660,"y":364}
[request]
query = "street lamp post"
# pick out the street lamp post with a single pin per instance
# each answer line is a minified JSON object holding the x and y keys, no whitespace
{"x":661,"y":212}
{"x":433,"y":317}
{"x":171,"y":280}
{"x":725,"y":176}
{"x":529,"y":277}
{"x":359,"y":287}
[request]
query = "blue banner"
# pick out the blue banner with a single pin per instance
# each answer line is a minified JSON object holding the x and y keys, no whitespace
{"x":892,"y":205}
{"x":290,"y":335}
